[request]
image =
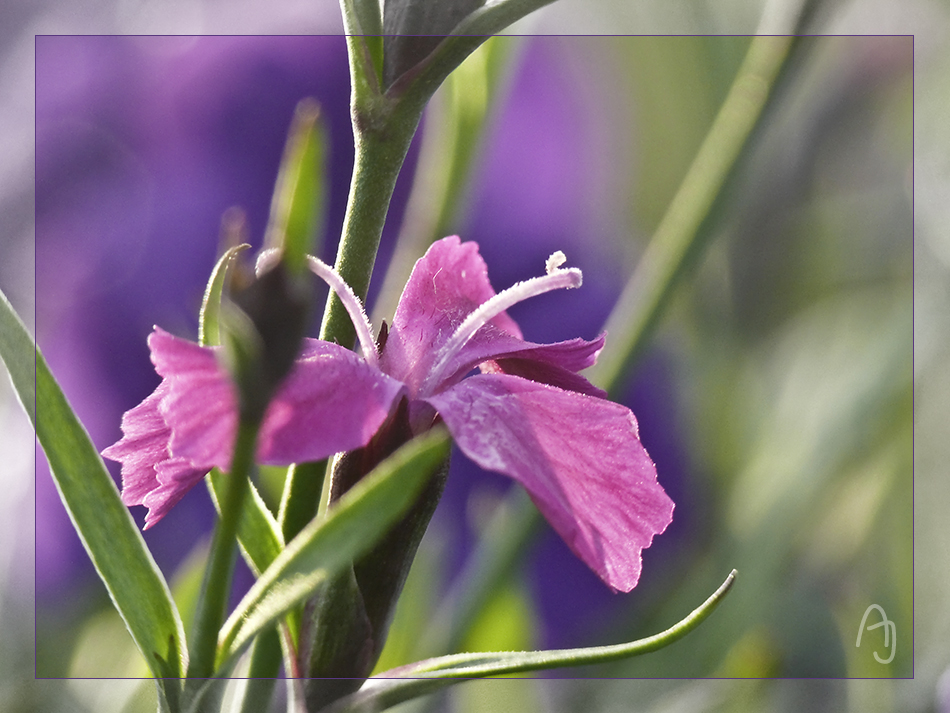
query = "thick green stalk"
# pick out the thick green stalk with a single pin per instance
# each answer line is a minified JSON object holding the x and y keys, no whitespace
{"x":382,"y":141}
{"x":216,"y":587}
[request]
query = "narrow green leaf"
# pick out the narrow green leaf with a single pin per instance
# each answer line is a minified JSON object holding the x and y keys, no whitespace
{"x":17,"y":352}
{"x":209,"y":319}
{"x":326,"y":545}
{"x":406,"y":682}
{"x":107,"y":531}
{"x":298,"y":205}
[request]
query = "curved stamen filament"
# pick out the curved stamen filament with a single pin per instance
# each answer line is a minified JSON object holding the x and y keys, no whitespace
{"x":364,"y":330}
{"x":555,"y":279}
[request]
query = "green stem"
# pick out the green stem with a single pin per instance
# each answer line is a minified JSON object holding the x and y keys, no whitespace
{"x":382,"y":139}
{"x":685,"y":226}
{"x":383,"y":127}
{"x":216,"y":587}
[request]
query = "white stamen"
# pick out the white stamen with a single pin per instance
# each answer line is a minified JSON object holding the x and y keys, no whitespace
{"x":557,"y":278}
{"x":555,"y":261}
{"x":364,"y":330}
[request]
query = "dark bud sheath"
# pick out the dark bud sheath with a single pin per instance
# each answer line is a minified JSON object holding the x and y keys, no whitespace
{"x":375,"y":581}
{"x":413,"y":28}
{"x":264,"y":325}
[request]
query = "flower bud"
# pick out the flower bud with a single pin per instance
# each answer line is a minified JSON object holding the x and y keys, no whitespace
{"x":264,"y":325}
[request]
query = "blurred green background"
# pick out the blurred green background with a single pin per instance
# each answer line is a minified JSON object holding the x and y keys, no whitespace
{"x":810,"y":357}
{"x":791,"y":349}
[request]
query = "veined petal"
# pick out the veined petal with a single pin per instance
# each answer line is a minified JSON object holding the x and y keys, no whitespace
{"x":144,"y":445}
{"x":332,"y":401}
{"x":579,"y":457}
{"x":447,"y":284}
{"x":150,"y":476}
{"x":174,"y":478}
{"x":200,"y":406}
{"x":554,"y":364}
{"x":572,"y":355}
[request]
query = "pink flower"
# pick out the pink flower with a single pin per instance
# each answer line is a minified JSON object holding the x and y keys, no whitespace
{"x":528,"y":414}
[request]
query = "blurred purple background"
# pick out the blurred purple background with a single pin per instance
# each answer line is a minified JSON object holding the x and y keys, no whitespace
{"x":143,"y":142}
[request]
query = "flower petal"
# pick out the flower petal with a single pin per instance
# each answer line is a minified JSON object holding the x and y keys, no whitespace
{"x":200,"y":406}
{"x":579,"y":458}
{"x":150,"y":476}
{"x":332,"y":401}
{"x":447,"y":283}
{"x":554,"y":364}
{"x":174,"y":477}
{"x":144,"y":445}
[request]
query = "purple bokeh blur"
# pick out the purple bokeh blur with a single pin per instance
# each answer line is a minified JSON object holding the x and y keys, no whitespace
{"x":143,"y":142}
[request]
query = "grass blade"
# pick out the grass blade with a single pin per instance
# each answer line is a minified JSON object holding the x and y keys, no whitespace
{"x":418,"y":679}
{"x":110,"y":536}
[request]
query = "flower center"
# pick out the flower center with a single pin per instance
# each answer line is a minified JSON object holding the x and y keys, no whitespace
{"x":557,"y":278}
